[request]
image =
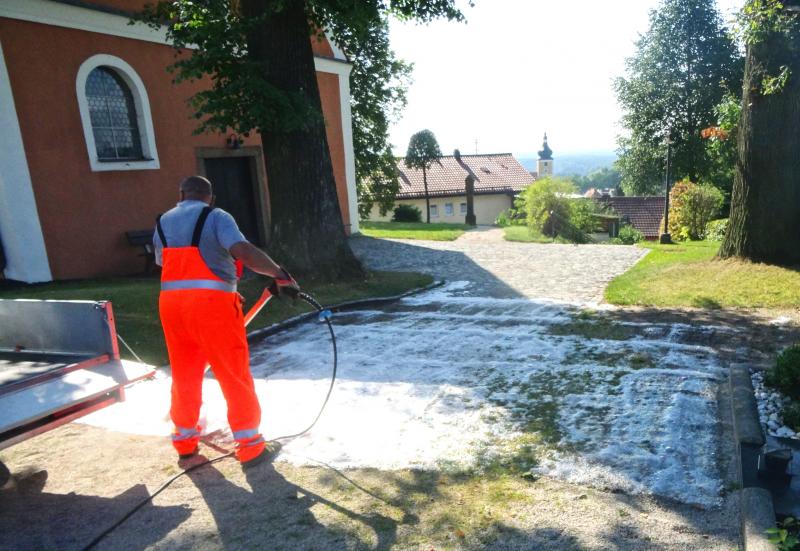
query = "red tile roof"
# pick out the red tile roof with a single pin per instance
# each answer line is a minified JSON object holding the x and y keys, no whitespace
{"x":644,"y":213}
{"x":497,"y":173}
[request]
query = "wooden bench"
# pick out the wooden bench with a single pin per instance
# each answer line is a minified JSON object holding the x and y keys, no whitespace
{"x":143,"y":239}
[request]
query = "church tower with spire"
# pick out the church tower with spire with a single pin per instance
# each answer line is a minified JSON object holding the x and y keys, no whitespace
{"x":544,"y":165}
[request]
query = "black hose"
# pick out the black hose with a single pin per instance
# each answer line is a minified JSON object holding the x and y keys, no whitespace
{"x":146,"y":500}
{"x":324,"y":315}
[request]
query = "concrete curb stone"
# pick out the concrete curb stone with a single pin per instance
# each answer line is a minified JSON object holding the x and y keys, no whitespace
{"x":757,"y":513}
{"x":757,"y":516}
{"x":747,"y":426}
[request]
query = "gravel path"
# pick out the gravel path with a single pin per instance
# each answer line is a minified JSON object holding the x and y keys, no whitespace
{"x":504,"y":269}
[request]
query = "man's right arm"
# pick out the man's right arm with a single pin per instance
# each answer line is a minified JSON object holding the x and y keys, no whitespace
{"x":257,"y":260}
{"x":231,"y":238}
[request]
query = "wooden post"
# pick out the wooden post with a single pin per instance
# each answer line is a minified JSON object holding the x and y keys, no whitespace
{"x":470,"y":185}
{"x":470,"y":188}
{"x":666,"y":238}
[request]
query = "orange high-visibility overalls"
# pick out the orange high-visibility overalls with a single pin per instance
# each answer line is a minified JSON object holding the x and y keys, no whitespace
{"x":203,"y":324}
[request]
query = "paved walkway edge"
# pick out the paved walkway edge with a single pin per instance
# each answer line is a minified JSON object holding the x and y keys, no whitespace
{"x":747,"y":426}
{"x":757,"y":513}
{"x":264,"y":332}
{"x":757,"y":516}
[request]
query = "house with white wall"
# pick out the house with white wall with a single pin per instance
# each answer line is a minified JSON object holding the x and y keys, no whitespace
{"x":499,"y":177}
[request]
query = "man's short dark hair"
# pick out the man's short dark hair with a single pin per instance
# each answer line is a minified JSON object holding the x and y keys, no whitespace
{"x":196,"y":185}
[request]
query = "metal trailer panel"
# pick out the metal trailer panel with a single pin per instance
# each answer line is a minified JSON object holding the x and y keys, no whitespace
{"x":37,"y":408}
{"x":59,"y":360}
{"x":58,"y":326}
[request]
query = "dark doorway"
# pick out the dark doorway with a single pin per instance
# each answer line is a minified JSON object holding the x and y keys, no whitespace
{"x":236,"y":192}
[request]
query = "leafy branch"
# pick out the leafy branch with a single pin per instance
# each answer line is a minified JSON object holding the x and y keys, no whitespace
{"x":757,"y":22}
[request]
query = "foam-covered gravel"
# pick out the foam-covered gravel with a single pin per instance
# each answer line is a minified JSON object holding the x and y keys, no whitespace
{"x":446,"y":378}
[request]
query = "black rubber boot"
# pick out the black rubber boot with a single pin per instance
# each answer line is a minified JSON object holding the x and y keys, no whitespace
{"x":270,"y":452}
{"x":188,"y":455}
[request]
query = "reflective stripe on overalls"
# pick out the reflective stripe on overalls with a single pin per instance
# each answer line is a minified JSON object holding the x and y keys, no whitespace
{"x":203,"y":324}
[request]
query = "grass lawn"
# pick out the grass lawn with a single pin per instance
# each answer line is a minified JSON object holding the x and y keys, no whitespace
{"x":523,"y":235}
{"x":689,"y":274}
{"x":135,"y":302}
{"x":413,"y":230}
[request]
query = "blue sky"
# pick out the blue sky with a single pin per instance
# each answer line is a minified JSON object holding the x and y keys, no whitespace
{"x":519,"y":68}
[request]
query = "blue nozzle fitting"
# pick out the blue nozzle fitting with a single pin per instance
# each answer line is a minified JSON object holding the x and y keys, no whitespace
{"x":325,"y":315}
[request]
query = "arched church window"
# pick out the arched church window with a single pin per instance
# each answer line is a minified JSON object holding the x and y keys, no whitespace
{"x":113,"y":116}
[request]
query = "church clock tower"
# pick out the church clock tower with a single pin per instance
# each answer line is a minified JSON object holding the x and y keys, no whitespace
{"x":544,"y":165}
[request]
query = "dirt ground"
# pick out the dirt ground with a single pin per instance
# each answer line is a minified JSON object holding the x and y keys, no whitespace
{"x":72,"y":483}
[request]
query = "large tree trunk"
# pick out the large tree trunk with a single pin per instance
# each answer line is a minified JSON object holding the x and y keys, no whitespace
{"x":307,"y":232}
{"x":765,"y":203}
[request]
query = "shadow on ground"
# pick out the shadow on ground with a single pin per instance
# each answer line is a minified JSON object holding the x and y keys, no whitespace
{"x":32,"y":519}
{"x":448,"y":264}
{"x":278,"y":513}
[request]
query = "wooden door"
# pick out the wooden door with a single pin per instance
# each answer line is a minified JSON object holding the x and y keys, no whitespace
{"x":236,"y":193}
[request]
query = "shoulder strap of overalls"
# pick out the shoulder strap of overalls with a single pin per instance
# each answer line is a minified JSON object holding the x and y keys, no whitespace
{"x":198,"y":229}
{"x":161,"y":231}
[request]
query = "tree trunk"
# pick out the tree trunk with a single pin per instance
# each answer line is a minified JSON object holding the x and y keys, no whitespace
{"x":427,"y":199}
{"x":307,"y":233}
{"x":765,"y":203}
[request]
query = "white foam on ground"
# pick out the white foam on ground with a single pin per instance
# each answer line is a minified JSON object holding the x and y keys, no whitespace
{"x":441,"y":378}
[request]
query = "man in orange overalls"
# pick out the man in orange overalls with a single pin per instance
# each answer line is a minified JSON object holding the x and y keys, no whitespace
{"x":198,"y":247}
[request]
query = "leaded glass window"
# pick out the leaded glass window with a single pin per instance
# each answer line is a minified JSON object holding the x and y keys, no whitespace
{"x":113,"y":115}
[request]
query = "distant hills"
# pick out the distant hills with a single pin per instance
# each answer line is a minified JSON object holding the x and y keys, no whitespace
{"x":574,"y":163}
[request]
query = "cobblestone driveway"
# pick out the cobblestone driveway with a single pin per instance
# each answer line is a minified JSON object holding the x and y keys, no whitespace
{"x":503,"y":269}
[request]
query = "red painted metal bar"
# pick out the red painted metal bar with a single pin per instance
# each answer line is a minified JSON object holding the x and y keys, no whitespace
{"x":256,"y":308}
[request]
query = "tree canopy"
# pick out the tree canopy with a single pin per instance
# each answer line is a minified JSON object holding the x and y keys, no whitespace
{"x":215,"y":32}
{"x":683,"y":66}
{"x":602,"y":178}
{"x":423,"y":151}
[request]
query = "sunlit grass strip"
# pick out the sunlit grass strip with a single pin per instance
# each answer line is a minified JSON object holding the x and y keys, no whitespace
{"x":689,"y":274}
{"x":413,"y":230}
{"x":522,"y":234}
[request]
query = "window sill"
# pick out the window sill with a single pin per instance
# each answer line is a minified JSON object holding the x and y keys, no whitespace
{"x":99,"y":165}
{"x":131,"y":160}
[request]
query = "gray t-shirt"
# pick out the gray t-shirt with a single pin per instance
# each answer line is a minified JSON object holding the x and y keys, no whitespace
{"x":220,"y":233}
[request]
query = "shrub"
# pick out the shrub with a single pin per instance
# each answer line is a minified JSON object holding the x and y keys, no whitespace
{"x":791,"y":416}
{"x":502,"y":219}
{"x":691,"y":208}
{"x":407,"y":213}
{"x":511,"y":217}
{"x":785,"y":374}
{"x":784,"y":535}
{"x":715,"y":230}
{"x":628,"y":235}
{"x":545,"y":200}
{"x":581,"y":214}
